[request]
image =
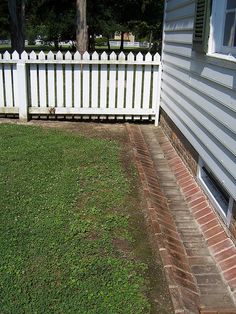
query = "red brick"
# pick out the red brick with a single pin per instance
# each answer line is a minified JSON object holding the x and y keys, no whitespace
{"x":204,"y":220}
{"x":189,"y":188}
{"x":192,"y":195}
{"x":226,"y":244}
{"x":199,"y":207}
{"x":197,"y":201}
{"x":225,"y":254}
{"x":165,"y":258}
{"x":213,"y":223}
{"x":202,"y":213}
{"x":213,"y":231}
{"x":217,"y":238}
{"x":230,"y":274}
{"x":185,"y":182}
{"x":228,"y":263}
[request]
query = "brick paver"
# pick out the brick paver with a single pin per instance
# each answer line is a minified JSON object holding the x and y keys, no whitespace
{"x":198,"y":257}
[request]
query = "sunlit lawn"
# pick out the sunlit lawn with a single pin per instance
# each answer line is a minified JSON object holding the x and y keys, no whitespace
{"x":61,"y":216}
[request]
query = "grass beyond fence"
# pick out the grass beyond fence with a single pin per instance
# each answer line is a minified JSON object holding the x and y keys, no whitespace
{"x":63,"y":226}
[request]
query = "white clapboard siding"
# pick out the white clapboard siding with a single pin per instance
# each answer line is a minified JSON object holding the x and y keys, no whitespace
{"x":33,"y":81}
{"x":86,"y":82}
{"x":59,"y":81}
{"x":199,"y":94}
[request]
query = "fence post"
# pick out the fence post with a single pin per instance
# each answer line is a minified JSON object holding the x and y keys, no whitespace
{"x":158,"y":95}
{"x":22,"y":90}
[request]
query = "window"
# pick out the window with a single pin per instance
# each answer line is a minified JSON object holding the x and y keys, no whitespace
{"x":215,"y":191}
{"x":215,"y":27}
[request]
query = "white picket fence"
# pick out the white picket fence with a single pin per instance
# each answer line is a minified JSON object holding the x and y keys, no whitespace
{"x":80,"y":85}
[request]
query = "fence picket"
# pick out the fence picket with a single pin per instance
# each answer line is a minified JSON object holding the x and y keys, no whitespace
{"x":33,"y":81}
{"x":129,"y":82}
{"x":16,"y":57}
{"x":51,"y":81}
{"x":147,"y":82}
{"x":2,"y":102}
{"x":103,"y":82}
{"x":86,"y":81}
{"x":8,"y":80}
{"x":68,"y":81}
{"x":121,"y":82}
{"x":138,"y":82}
{"x":112,"y":82}
{"x":77,"y":81}
{"x":94,"y":91}
{"x":80,"y":85}
{"x":59,"y":81}
{"x":42,"y":82}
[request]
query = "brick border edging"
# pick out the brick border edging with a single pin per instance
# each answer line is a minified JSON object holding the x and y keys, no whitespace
{"x":221,"y":247}
{"x":181,"y":282}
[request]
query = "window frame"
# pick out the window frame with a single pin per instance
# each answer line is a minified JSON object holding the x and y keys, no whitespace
{"x":225,"y":216}
{"x":217,"y":25}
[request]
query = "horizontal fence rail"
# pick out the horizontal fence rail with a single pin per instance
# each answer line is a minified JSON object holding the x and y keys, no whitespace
{"x":107,"y":85}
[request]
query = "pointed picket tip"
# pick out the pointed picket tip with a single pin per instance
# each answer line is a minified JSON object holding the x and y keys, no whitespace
{"x":77,"y":56}
{"x":59,"y":56}
{"x":157,"y":57}
{"x":139,"y":57}
{"x":15,"y":55}
{"x":148,"y":57}
{"x":50,"y":55}
{"x":42,"y":55}
{"x":33,"y":55}
{"x":86,"y":56}
{"x":6,"y":56}
{"x":104,"y":56}
{"x":24,"y":55}
{"x":130,"y":57}
{"x":121,"y":56}
{"x":95,"y":56}
{"x":68,"y":56}
{"x":113,"y":56}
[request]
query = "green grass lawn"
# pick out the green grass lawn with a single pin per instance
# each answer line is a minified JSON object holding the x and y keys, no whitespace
{"x":63,"y":224}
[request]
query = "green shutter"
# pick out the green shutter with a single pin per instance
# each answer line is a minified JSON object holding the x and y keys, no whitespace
{"x":201,"y":25}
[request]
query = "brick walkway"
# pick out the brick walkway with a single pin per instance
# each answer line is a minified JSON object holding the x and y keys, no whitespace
{"x":198,"y":257}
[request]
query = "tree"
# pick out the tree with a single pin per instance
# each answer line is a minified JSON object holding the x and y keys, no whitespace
{"x":17,"y":24}
{"x":4,"y":20}
{"x":81,"y":26}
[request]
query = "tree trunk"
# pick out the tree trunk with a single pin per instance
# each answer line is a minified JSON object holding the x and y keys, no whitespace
{"x":81,"y":26}
{"x":108,"y":43}
{"x":150,"y":41}
{"x":17,"y":24}
{"x":122,"y":41}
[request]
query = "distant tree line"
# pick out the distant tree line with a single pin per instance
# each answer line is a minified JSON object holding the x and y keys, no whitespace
{"x":78,"y":20}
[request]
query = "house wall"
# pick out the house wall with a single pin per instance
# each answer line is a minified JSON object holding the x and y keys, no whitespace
{"x":199,"y":95}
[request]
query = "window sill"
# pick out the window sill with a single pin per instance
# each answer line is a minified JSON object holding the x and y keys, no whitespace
{"x":222,"y":56}
{"x":224,"y":60}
